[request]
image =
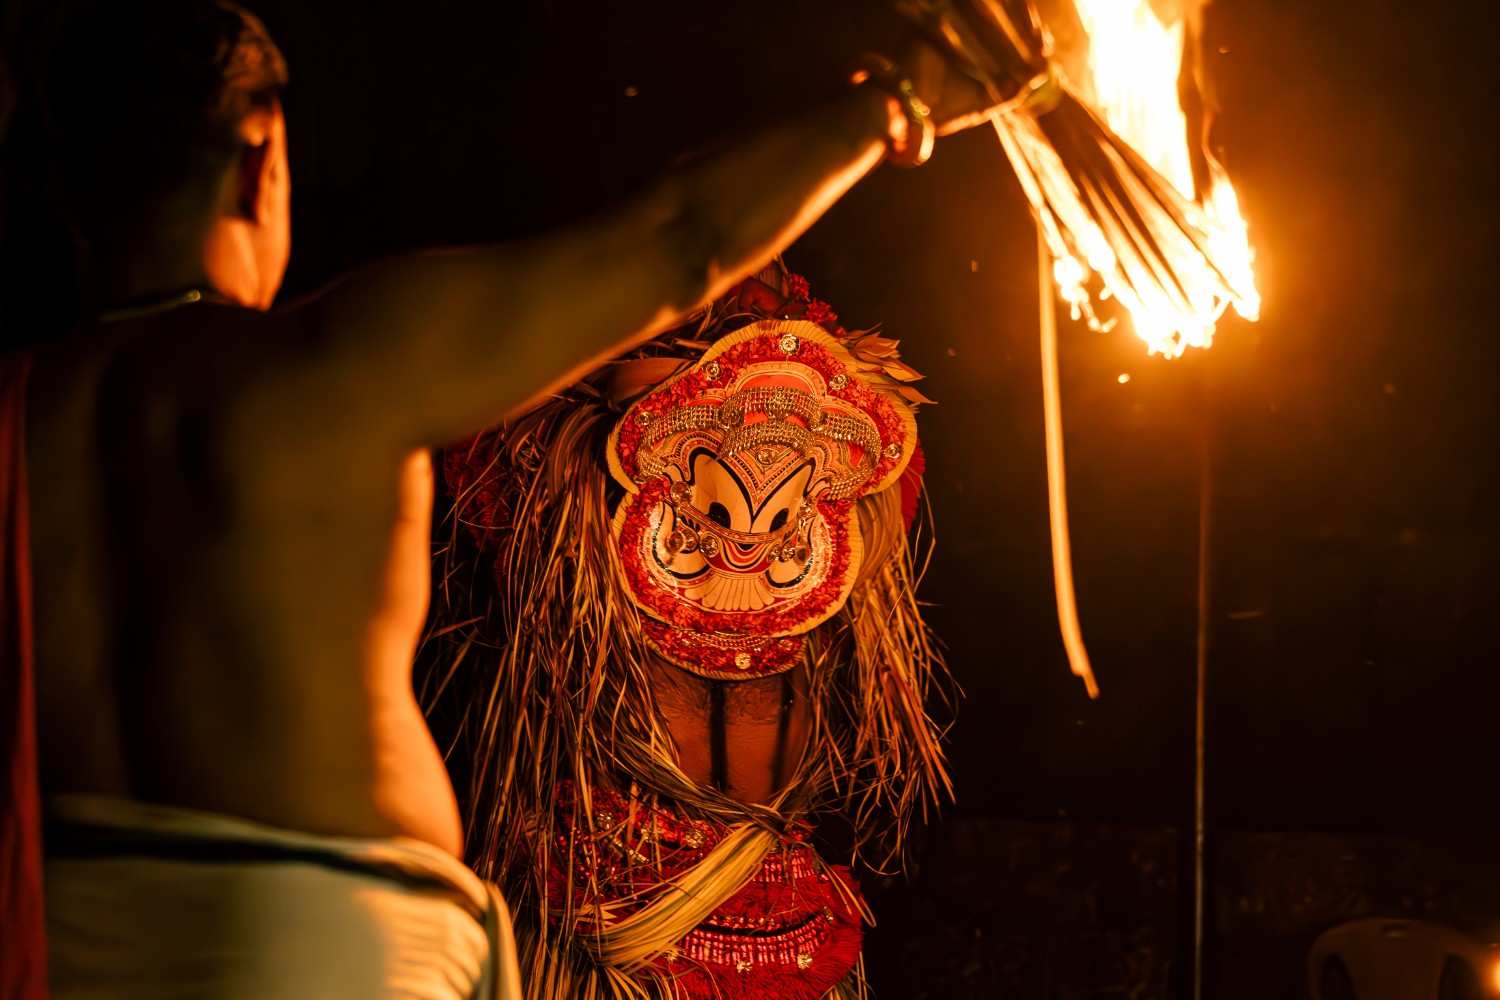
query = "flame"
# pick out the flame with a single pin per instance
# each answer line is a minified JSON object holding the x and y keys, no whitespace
{"x":1134,"y":68}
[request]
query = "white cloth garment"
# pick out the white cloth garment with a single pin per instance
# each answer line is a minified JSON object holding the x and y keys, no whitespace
{"x":146,"y":901}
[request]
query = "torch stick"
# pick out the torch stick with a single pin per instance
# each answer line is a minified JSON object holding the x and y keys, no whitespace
{"x":1057,"y":477}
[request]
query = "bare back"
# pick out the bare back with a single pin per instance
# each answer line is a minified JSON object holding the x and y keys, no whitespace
{"x":218,"y":628}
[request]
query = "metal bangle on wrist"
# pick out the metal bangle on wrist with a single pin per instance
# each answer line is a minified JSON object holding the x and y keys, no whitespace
{"x":912,"y":147}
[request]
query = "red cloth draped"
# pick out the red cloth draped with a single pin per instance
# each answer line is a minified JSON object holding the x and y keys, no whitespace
{"x":23,"y":970}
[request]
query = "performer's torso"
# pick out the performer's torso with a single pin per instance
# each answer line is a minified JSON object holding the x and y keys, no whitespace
{"x":764,"y":725}
{"x":222,"y":622}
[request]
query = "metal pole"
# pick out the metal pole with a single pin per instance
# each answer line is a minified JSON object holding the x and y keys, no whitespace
{"x":1200,"y":812}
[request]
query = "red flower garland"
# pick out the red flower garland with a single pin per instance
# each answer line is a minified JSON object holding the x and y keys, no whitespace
{"x":695,"y":653}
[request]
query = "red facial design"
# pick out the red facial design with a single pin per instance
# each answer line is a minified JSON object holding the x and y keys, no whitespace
{"x":739,"y":525}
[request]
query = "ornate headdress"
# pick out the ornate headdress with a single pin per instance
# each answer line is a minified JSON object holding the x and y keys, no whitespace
{"x":738,"y":534}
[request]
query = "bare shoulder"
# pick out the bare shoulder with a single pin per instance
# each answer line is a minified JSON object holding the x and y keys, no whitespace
{"x":193,"y":358}
{"x":109,"y":384}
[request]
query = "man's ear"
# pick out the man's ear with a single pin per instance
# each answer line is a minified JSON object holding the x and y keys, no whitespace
{"x":254,"y":164}
{"x":257,"y":167}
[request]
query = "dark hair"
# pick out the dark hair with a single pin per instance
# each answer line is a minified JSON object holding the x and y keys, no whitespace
{"x":141,"y":100}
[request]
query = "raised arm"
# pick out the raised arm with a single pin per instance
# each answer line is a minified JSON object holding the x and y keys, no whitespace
{"x":460,"y":338}
{"x":421,"y":349}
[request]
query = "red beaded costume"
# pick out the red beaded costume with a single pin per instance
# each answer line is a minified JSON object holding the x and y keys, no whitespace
{"x":734,"y":498}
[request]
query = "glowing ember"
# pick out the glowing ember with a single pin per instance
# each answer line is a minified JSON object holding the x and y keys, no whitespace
{"x":1133,"y":71}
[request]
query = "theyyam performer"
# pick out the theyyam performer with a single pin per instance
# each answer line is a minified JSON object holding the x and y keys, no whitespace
{"x":687,"y":629}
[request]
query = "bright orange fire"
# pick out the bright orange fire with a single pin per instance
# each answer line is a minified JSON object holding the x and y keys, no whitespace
{"x":1127,"y":241}
{"x":1134,"y":64}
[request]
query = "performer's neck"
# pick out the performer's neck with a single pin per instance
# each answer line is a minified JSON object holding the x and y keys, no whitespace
{"x":219,"y":261}
{"x":149,"y":272}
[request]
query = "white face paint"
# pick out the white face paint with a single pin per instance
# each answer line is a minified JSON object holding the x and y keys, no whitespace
{"x":735,"y":538}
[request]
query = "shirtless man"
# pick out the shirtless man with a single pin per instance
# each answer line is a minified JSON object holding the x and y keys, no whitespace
{"x":230,"y":504}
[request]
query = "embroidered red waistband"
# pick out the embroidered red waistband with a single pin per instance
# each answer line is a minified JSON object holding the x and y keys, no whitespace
{"x":791,"y":933}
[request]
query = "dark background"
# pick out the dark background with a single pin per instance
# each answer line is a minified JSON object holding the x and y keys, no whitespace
{"x":1352,"y":673}
{"x":1353,"y":680}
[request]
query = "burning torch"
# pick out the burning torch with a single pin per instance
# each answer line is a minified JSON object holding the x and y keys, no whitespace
{"x":1135,"y":216}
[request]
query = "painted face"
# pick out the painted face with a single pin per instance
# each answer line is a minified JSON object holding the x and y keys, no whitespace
{"x":733,"y":536}
{"x":738,"y":534}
